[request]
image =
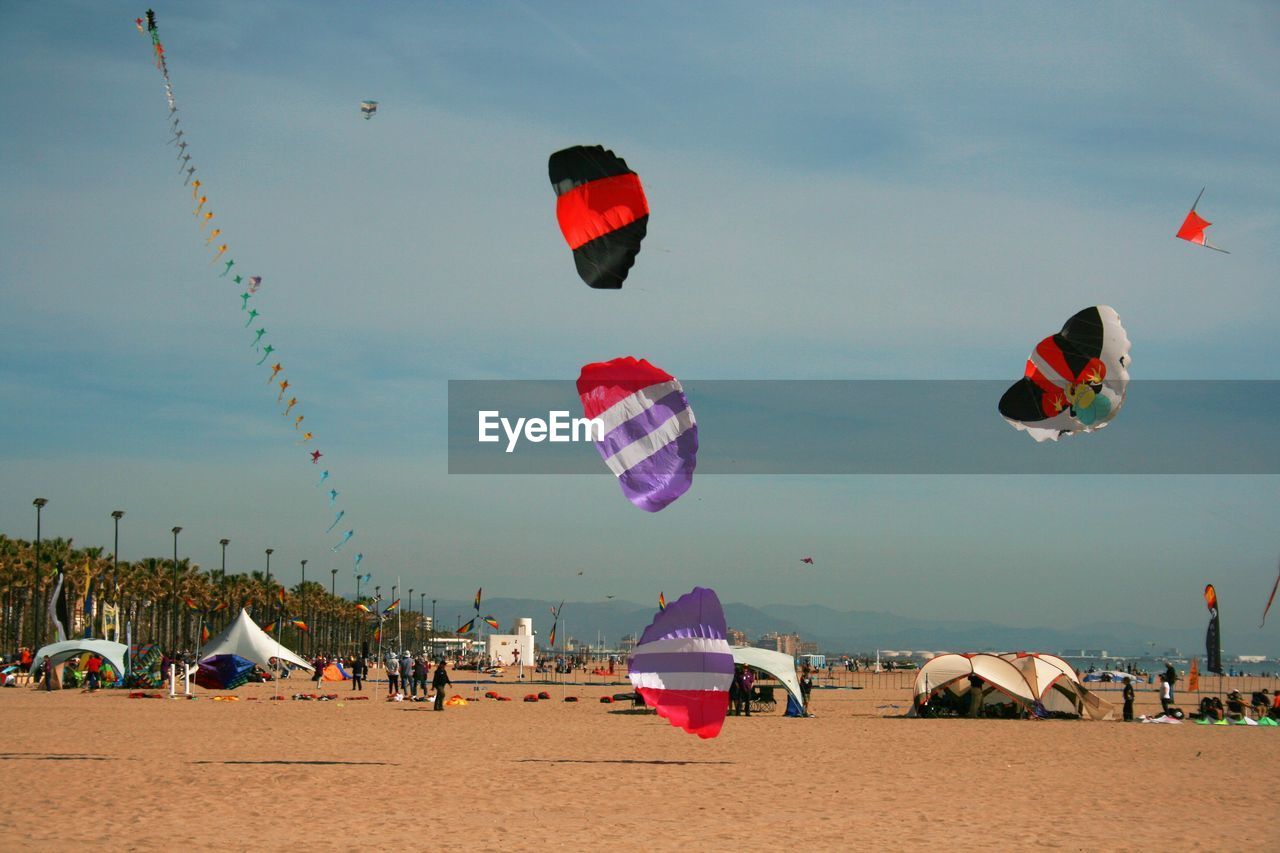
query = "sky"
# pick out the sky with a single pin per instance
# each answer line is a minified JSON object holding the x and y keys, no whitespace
{"x":838,"y":192}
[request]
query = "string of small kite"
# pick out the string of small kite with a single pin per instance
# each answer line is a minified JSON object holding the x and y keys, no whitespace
{"x":204,"y":215}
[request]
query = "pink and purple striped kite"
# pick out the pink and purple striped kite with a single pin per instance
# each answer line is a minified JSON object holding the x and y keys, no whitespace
{"x":683,"y":665}
{"x":650,"y":436}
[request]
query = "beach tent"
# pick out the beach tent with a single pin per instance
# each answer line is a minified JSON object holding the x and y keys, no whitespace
{"x":224,"y":672}
{"x":949,"y":674}
{"x":112,"y":653}
{"x":335,"y":672}
{"x":244,"y":638}
{"x":1054,"y":682}
{"x":776,"y":664}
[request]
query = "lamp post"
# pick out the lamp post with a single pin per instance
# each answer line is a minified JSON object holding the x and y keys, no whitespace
{"x":270,"y":551}
{"x":433,"y":627}
{"x":413,"y":625}
{"x":38,"y":620}
{"x":333,"y":586}
{"x":115,"y":569}
{"x":422,"y":608}
{"x":302,"y":590}
{"x":224,"y":543}
{"x":173,"y":631}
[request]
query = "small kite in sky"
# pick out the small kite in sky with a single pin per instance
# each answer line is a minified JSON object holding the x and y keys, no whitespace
{"x":258,"y":333}
{"x":808,"y":560}
{"x":255,"y":281}
{"x":293,"y":401}
{"x":297,"y":422}
{"x":244,"y":301}
{"x":284,"y":386}
{"x":222,"y":250}
{"x":231,"y":263}
{"x":265,"y":354}
{"x":315,"y":457}
{"x":208,"y":214}
{"x":200,"y":206}
{"x":324,"y":475}
{"x":306,"y":436}
{"x":195,"y":189}
{"x":213,"y":235}
{"x":336,"y":519}
{"x":346,"y":537}
{"x":191,"y":170}
{"x":1193,"y":228}
{"x":275,"y":368}
{"x":333,"y":496}
{"x":369,"y":108}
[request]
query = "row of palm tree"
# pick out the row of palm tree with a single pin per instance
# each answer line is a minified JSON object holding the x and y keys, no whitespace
{"x":172,"y":606}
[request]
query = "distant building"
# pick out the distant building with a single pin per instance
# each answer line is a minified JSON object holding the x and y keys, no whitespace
{"x":736,"y":637}
{"x":788,"y":644}
{"x":502,"y":648}
{"x":808,"y":649}
{"x":1084,"y":653}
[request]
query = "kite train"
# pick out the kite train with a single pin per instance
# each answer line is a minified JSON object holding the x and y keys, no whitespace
{"x":650,"y":436}
{"x":1075,"y":381}
{"x":204,"y":216}
{"x":602,"y":211}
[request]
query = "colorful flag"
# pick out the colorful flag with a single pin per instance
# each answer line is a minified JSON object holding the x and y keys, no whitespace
{"x":392,"y":606}
{"x":551,"y":641}
{"x":299,"y":624}
{"x":191,"y":603}
{"x":280,"y":595}
{"x":1193,"y":676}
{"x":363,"y":609}
{"x":1272,"y":598}
{"x":204,"y":634}
{"x":662,"y":601}
{"x":1213,"y":637}
{"x":466,"y":629}
{"x":491,"y":622}
{"x":478,"y":591}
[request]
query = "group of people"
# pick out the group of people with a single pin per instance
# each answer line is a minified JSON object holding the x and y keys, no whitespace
{"x":409,"y":673}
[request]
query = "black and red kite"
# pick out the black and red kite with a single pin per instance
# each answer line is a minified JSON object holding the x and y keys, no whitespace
{"x":602,"y":212}
{"x":1193,"y":228}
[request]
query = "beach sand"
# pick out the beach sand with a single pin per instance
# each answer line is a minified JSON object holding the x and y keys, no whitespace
{"x":99,"y":770}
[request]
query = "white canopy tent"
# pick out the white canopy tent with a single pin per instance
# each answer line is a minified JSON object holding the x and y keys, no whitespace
{"x":243,"y":637}
{"x":780,"y":666}
{"x":112,"y":653}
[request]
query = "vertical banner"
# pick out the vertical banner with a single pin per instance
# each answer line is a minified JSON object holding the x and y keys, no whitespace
{"x":58,"y":610}
{"x":1213,"y":638}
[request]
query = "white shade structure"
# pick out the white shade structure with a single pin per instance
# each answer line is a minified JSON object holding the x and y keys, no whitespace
{"x":243,"y":637}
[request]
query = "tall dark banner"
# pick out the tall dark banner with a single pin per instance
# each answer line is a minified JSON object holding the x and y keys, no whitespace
{"x":1213,"y":638}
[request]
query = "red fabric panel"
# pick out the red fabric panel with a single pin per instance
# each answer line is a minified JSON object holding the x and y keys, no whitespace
{"x":604,"y":383}
{"x":1193,"y":228}
{"x":598,"y":207}
{"x":698,"y":712}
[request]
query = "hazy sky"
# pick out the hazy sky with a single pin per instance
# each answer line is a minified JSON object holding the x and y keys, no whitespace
{"x":838,"y":192}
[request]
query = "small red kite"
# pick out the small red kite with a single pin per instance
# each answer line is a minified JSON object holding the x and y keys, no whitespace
{"x":808,"y":560}
{"x":1193,"y":228}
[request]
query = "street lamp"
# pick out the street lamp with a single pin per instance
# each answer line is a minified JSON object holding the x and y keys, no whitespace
{"x":270,"y":551}
{"x":412,"y":625}
{"x":38,"y":622}
{"x":115,"y":570}
{"x":433,"y":627}
{"x":173,"y":632}
{"x":224,"y":543}
{"x":303,"y":591}
{"x":333,"y":586}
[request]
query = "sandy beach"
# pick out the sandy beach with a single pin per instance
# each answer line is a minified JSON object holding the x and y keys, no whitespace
{"x":103,"y":769}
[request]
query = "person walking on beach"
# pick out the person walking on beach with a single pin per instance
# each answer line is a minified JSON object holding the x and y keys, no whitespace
{"x":1166,"y":693}
{"x":406,"y":674}
{"x":358,"y":671}
{"x":91,"y":672}
{"x":1128,"y":700}
{"x":439,"y":682}
{"x":393,"y":674}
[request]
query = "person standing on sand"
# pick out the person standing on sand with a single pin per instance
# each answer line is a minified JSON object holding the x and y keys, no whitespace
{"x":1128,"y":700}
{"x":406,"y":674}
{"x":1166,"y":693}
{"x":393,"y":674}
{"x":358,"y":670}
{"x":439,"y":682}
{"x":420,"y":670}
{"x":975,"y":696}
{"x":806,"y":687}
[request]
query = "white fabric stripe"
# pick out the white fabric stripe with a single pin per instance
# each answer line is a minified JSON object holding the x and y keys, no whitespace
{"x":668,"y":645}
{"x":1049,"y":372}
{"x":633,"y":404}
{"x":647,"y":445}
{"x":683,"y":681}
